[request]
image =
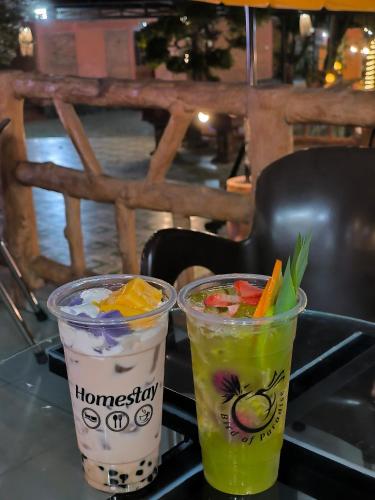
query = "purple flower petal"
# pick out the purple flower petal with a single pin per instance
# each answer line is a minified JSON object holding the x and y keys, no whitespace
{"x":115,"y":330}
{"x":75,"y":301}
{"x":110,"y":333}
{"x":111,"y":342}
{"x":110,"y":314}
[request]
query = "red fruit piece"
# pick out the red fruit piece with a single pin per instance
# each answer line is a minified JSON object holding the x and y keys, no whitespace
{"x":220,"y":300}
{"x":251,"y":301}
{"x":244,"y":289}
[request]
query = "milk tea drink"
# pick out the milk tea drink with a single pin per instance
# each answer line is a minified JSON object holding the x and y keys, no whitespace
{"x":114,"y":354}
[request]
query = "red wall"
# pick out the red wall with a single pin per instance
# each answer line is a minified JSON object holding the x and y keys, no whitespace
{"x":97,"y":48}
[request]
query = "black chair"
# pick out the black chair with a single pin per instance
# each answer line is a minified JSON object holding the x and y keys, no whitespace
{"x":328,"y":191}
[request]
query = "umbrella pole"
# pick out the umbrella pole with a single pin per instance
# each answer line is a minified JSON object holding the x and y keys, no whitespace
{"x":251,"y":51}
{"x":251,"y":77}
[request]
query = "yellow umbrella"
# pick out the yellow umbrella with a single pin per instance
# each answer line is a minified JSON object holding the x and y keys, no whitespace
{"x":343,"y":5}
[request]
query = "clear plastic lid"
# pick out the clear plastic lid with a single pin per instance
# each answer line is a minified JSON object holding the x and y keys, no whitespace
{"x":221,"y":280}
{"x":59,"y":297}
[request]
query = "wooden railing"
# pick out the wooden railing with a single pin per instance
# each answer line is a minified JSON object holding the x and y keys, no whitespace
{"x":271,"y":111}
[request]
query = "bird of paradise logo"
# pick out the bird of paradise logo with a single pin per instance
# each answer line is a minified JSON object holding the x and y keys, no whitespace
{"x":251,"y":411}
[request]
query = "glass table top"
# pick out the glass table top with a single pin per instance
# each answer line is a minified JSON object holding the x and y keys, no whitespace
{"x":331,"y":407}
{"x":39,"y":458}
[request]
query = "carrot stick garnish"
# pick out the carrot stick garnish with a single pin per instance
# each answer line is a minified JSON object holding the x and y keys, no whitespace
{"x":269,"y":293}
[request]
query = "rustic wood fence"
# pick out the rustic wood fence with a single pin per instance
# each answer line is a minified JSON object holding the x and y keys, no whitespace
{"x":271,"y":111}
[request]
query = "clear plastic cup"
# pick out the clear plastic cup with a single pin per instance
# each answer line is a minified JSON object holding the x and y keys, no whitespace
{"x":241,"y":369}
{"x":115,"y":370}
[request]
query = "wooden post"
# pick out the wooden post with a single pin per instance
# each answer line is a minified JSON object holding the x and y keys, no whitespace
{"x":74,"y":129}
{"x":126,"y":229}
{"x":271,"y":137}
{"x":20,"y":221}
{"x":73,"y":233}
{"x":169,"y":144}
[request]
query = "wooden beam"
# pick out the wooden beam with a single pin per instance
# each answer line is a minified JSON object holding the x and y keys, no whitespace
{"x":314,"y":140}
{"x":333,"y":106}
{"x":126,"y":230}
{"x":180,"y":198}
{"x":19,"y":215}
{"x":204,"y":96}
{"x":74,"y":128}
{"x":73,"y":233}
{"x":169,"y":144}
{"x":53,"y":271}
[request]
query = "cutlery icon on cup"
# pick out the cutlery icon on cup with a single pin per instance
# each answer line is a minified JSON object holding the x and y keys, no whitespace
{"x":117,"y":421}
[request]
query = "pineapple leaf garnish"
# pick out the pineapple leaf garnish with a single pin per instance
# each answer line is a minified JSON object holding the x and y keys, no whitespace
{"x":286,"y":298}
{"x":293,"y":274}
{"x":300,"y":258}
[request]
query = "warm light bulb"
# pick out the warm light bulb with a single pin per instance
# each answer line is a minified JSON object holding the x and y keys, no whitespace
{"x":305,"y":25}
{"x":365,"y":51}
{"x":353,"y":49}
{"x":203,"y":117}
{"x":330,"y":78}
{"x":337,"y":66}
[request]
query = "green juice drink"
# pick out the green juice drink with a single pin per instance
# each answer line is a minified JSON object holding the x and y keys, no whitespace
{"x":241,"y":367}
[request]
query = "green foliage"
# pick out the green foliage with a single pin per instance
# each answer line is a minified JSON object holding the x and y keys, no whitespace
{"x":187,"y":41}
{"x":11,"y":17}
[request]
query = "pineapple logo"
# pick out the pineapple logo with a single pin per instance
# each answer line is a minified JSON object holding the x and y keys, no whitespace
{"x":250,"y":411}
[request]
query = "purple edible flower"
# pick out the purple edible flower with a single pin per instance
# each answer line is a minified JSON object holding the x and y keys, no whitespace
{"x":75,"y":301}
{"x":111,"y":342}
{"x":110,"y":332}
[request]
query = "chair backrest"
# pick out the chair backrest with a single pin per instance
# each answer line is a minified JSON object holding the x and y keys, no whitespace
{"x":330,"y":192}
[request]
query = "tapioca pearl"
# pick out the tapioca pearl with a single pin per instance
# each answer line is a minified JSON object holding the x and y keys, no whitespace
{"x":139,"y":472}
{"x":123,"y":477}
{"x":112,"y":472}
{"x":150,"y":478}
{"x":149,"y":464}
{"x":101,"y":467}
{"x":142,"y":463}
{"x":113,"y":482}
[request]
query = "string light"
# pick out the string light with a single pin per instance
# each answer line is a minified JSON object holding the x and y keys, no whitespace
{"x":353,"y":49}
{"x":186,"y":58}
{"x":365,"y":51}
{"x":370,"y":67}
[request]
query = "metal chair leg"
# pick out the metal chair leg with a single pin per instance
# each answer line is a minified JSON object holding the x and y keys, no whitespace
{"x":172,"y":438}
{"x":30,"y":297}
{"x":16,"y":315}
